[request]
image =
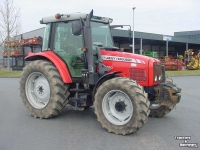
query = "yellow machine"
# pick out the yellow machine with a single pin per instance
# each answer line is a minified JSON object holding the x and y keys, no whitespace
{"x":192,"y":59}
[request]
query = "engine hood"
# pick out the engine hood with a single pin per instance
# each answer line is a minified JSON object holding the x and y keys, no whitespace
{"x":126,"y":57}
{"x":133,"y":66}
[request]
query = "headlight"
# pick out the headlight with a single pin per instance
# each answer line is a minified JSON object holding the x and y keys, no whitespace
{"x":160,"y":76}
{"x":155,"y":78}
{"x":157,"y":72}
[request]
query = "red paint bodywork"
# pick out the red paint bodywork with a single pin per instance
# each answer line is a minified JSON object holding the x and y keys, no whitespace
{"x":125,"y":66}
{"x":122,"y":66}
{"x":60,"y":65}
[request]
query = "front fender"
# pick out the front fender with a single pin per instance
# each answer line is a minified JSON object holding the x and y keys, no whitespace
{"x":59,"y":63}
{"x":103,"y":79}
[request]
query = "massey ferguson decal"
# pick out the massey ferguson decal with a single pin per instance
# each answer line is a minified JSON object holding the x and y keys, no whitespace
{"x":114,"y":58}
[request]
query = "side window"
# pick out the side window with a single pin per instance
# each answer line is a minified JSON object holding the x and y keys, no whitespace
{"x":45,"y":45}
{"x":65,"y":41}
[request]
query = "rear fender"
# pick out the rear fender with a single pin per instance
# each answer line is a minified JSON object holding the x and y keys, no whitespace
{"x":59,"y":64}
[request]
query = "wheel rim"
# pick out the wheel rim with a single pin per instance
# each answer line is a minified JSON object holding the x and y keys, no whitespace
{"x":154,"y":105}
{"x":37,"y":90}
{"x":117,"y":107}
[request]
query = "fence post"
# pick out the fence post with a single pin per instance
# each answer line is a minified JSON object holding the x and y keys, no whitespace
{"x":177,"y":64}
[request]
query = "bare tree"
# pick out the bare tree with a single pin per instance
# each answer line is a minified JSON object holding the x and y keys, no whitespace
{"x":10,"y":25}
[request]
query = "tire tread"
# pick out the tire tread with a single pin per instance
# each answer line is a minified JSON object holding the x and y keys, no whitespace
{"x":59,"y":90}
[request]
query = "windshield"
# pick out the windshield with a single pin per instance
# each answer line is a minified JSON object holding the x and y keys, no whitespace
{"x":46,"y":37}
{"x":101,"y":34}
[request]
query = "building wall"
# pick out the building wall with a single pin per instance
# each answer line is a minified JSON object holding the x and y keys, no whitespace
{"x":31,"y":34}
{"x":188,"y":34}
{"x":197,"y":36}
{"x":34,"y":33}
{"x":160,"y":49}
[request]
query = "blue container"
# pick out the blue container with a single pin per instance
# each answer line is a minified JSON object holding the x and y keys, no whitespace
{"x":5,"y":63}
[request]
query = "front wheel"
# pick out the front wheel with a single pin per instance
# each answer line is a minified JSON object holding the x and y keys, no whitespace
{"x":121,"y":106}
{"x":158,"y":111}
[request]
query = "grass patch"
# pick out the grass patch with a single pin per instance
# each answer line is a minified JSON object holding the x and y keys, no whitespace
{"x":183,"y":72}
{"x":10,"y":73}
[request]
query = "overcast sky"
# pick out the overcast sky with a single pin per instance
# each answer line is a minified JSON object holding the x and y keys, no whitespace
{"x":152,"y":16}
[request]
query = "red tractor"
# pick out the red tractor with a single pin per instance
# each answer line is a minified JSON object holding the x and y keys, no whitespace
{"x":80,"y":66}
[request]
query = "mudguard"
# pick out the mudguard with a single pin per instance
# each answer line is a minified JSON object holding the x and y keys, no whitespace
{"x":103,"y":78}
{"x":60,"y":64}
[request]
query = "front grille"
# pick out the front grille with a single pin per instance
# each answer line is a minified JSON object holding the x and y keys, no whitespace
{"x":138,"y":74}
{"x":157,"y":69}
{"x":157,"y":72}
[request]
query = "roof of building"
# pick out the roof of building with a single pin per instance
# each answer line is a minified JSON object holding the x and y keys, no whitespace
{"x":196,"y":32}
{"x":153,"y":36}
{"x":189,"y":34}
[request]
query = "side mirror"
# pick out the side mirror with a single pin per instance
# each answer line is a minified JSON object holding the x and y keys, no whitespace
{"x":77,"y":27}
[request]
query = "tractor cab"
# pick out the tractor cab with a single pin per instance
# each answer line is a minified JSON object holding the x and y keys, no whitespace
{"x":68,"y":37}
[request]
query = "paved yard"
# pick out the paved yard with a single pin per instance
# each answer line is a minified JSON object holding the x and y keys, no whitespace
{"x":74,"y":130}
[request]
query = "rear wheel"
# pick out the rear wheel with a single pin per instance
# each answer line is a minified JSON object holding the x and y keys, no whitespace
{"x":157,"y":110}
{"x":121,"y":106}
{"x":42,"y":91}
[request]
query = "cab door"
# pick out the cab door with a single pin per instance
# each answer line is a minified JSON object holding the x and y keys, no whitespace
{"x":69,"y":47}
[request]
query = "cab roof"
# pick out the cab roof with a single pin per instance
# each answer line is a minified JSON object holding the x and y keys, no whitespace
{"x":74,"y":16}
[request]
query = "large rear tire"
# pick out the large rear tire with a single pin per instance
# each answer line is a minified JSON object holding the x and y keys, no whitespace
{"x":121,"y":105}
{"x":43,"y":93}
{"x":157,"y":110}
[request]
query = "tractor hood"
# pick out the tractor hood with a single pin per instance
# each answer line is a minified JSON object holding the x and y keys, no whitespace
{"x":126,"y":57}
{"x":133,"y":66}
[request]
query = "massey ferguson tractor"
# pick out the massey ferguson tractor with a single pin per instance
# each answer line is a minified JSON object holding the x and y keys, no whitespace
{"x":80,"y":67}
